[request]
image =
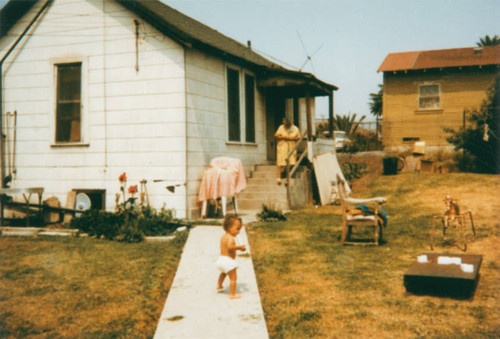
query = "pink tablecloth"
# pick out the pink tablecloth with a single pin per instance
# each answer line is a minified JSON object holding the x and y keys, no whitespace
{"x":224,"y":178}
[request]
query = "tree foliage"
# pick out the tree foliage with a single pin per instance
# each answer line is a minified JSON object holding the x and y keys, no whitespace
{"x":488,"y":41}
{"x":347,"y":123}
{"x":479,"y":139}
{"x":376,"y":102}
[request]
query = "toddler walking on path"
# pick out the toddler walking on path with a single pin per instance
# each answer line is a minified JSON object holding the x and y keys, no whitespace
{"x":226,"y":262}
{"x":194,"y":309}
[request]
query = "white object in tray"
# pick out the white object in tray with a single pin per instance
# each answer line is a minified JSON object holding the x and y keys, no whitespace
{"x":449,"y":260}
{"x":422,"y":258}
{"x":467,"y":268}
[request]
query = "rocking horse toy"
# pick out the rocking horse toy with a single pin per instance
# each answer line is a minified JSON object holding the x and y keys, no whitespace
{"x":453,"y":219}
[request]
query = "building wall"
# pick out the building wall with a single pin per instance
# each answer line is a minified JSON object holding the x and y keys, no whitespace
{"x":133,"y":120}
{"x":460,"y":89}
{"x":207,"y":129}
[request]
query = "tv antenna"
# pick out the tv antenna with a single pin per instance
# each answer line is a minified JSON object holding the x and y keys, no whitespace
{"x":308,"y":57}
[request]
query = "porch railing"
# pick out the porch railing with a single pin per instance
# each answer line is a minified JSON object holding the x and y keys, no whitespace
{"x":290,"y":173}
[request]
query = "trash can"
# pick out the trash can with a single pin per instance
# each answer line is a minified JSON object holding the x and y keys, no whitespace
{"x":392,"y":165}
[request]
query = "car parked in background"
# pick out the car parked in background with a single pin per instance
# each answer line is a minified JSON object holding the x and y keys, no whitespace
{"x":341,"y":140}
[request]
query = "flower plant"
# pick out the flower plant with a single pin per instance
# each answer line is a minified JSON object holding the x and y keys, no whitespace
{"x":132,"y":219}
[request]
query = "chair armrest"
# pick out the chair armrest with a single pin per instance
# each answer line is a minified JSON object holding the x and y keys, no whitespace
{"x":378,"y":200}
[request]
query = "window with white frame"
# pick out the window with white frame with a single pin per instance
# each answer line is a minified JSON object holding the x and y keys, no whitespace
{"x":249,"y":108}
{"x":68,"y":102}
{"x":240,"y":101}
{"x":429,"y":96}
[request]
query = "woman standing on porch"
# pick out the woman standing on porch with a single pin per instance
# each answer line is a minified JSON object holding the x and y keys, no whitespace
{"x":287,"y":135}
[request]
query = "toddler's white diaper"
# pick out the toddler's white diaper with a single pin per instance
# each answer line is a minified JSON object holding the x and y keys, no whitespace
{"x":226,"y":264}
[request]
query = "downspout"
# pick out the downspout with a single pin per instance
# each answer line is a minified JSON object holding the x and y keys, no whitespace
{"x":330,"y":115}
{"x":4,"y":180}
{"x":186,"y":157}
{"x":105,"y":106}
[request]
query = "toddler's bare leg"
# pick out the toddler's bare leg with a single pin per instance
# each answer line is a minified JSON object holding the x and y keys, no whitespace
{"x":222,"y":276}
{"x":232,"y":284}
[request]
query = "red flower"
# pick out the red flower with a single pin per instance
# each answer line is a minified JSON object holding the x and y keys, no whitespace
{"x":123,"y":177}
{"x":132,"y":189}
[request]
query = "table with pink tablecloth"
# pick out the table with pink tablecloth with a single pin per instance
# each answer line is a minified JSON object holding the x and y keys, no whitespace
{"x":224,"y":178}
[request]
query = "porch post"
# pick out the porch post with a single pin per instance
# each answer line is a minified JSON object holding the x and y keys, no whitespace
{"x":309,"y":116}
{"x":309,"y":127}
{"x":330,"y":115}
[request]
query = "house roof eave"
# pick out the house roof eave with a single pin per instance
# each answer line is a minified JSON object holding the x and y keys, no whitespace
{"x":441,"y":59}
{"x":294,"y":82}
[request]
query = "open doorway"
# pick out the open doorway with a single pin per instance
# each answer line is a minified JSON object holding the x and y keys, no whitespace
{"x":275,"y":111}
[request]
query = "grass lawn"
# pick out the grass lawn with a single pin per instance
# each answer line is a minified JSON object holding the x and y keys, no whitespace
{"x":312,"y":287}
{"x":86,"y":288}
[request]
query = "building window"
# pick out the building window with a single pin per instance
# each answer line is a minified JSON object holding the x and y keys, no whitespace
{"x":240,"y":105}
{"x":250,"y":108}
{"x":233,"y":104}
{"x":428,"y":96}
{"x":68,"y":102}
{"x":410,"y":139}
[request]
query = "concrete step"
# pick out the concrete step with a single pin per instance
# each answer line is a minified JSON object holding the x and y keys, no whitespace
{"x":256,"y":204}
{"x":266,"y":168}
{"x":265,"y":188}
{"x":57,"y":234}
{"x":262,"y":195}
{"x":264,"y":174}
{"x":19,"y":233}
{"x":266,"y":181}
{"x":36,"y":231}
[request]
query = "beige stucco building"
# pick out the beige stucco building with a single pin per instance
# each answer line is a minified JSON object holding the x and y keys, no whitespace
{"x":427,"y":91}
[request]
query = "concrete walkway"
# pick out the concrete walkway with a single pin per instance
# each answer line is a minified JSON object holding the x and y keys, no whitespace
{"x":194,"y":309}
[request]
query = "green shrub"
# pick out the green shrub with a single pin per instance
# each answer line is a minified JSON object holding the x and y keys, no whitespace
{"x":353,"y":170}
{"x":270,"y":213}
{"x":98,"y":223}
{"x":465,"y":161}
{"x":479,"y":139}
{"x":131,"y":231}
{"x":129,"y":224}
{"x":158,"y":223}
{"x":363,"y":141}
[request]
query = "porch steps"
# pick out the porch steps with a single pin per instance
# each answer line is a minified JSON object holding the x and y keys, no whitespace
{"x":263,"y":189}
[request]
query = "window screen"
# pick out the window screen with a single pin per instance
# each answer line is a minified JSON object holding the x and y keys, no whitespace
{"x":233,"y":104}
{"x":428,"y":97}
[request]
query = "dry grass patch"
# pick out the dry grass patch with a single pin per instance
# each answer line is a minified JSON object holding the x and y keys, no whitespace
{"x":83,"y":288}
{"x":313,"y":287}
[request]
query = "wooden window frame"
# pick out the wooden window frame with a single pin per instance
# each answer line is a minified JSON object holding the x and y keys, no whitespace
{"x":233,"y":104}
{"x":246,"y":130}
{"x":420,"y":96}
{"x":84,"y":119}
{"x":250,"y":135}
{"x":74,"y":102}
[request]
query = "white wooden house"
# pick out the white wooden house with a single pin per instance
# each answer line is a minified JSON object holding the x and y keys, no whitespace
{"x":102,"y":87}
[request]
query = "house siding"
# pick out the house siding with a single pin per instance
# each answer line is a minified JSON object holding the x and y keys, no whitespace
{"x":207,"y":121}
{"x":132,"y":121}
{"x":460,"y":89}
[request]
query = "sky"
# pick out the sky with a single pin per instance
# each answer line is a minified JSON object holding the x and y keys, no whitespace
{"x":346,"y":39}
